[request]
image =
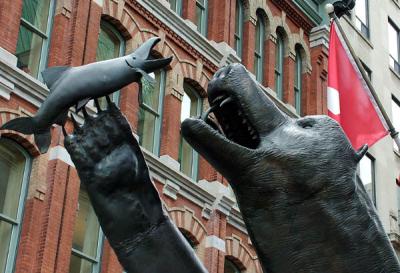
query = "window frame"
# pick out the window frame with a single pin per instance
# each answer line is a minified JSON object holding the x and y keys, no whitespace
{"x":159,"y":114}
{"x":195,"y":154}
{"x":115,"y":97}
{"x":279,"y":62}
{"x":44,"y":52}
{"x":202,"y":27}
{"x":298,"y":83}
{"x":259,"y":55}
{"x":96,"y":262}
{"x":177,"y":8}
{"x":396,"y":66}
{"x":239,"y":22}
{"x":17,"y":224}
{"x":364,"y":30}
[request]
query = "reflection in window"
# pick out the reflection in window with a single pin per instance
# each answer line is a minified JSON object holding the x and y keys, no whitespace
{"x":191,"y":107}
{"x":14,"y":168}
{"x":361,"y":11}
{"x":394,"y":46}
{"x":279,"y":55}
{"x":87,"y":240}
{"x":33,"y":37}
{"x":110,"y":45}
{"x":149,"y":124}
{"x":396,"y":118}
{"x":176,"y":5}
{"x":201,"y":16}
{"x":239,"y":20}
{"x":367,"y":175}
{"x":259,"y":49}
{"x":298,"y":81}
{"x":230,"y":267}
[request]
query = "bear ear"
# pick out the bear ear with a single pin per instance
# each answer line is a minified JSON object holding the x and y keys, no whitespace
{"x":361,"y":152}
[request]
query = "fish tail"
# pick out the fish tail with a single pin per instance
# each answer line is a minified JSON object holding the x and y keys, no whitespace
{"x":27,"y":126}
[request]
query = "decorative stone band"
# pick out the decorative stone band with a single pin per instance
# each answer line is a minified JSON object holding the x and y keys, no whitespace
{"x":215,"y":242}
{"x":60,"y":153}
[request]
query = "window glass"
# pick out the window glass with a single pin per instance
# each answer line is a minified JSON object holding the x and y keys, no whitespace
{"x":259,"y":48}
{"x":87,"y":238}
{"x":110,"y":45}
{"x":176,"y":5}
{"x":230,"y":267}
{"x":149,"y":124}
{"x":394,"y":47}
{"x":201,"y":16}
{"x":279,"y":55}
{"x":361,"y":11}
{"x":13,"y":181}
{"x":239,"y":27}
{"x":191,"y":107}
{"x":396,"y":118}
{"x":33,"y":36}
{"x":298,"y":82}
{"x":366,"y":173}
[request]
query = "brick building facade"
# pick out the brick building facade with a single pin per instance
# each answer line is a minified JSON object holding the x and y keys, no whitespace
{"x":46,"y":221}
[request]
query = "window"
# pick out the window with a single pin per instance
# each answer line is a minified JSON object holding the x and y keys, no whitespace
{"x":14,"y":170}
{"x":87,"y":239}
{"x":201,"y":16}
{"x":110,"y":45}
{"x":361,"y":12}
{"x":189,"y":238}
{"x":395,"y":118}
{"x":314,"y":4}
{"x":230,"y":267}
{"x":150,"y":119}
{"x":239,"y":27}
{"x":191,"y":107}
{"x":298,"y":81}
{"x":394,"y":47}
{"x":259,"y":49}
{"x":33,"y":37}
{"x":367,"y":70}
{"x":367,"y":175}
{"x":279,"y":55}
{"x":176,"y":5}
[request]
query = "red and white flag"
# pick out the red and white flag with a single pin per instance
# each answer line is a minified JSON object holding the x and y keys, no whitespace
{"x":350,"y":101}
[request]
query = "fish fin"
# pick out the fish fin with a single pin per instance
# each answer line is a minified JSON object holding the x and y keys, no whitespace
{"x":43,"y":141}
{"x":60,"y":120}
{"x":81,"y":104}
{"x":23,"y":125}
{"x":52,"y":74}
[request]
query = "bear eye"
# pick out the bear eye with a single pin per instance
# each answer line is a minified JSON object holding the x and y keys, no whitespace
{"x":306,"y":124}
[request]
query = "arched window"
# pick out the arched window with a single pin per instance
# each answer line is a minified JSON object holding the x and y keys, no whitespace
{"x":201,"y":16}
{"x":150,"y":112}
{"x":15,"y":166}
{"x":279,"y":55}
{"x":230,"y":267}
{"x":87,"y":239}
{"x":176,"y":5}
{"x":239,"y":21}
{"x":191,"y":107}
{"x":298,"y":80}
{"x":34,"y":36}
{"x":110,"y":45}
{"x":259,"y":48}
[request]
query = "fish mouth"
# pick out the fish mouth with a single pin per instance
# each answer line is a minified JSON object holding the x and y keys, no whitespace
{"x":142,"y":58}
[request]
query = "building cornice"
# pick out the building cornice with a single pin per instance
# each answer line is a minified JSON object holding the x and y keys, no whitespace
{"x":297,"y":15}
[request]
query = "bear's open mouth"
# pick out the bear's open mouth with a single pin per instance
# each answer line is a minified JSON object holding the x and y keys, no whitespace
{"x":233,"y":120}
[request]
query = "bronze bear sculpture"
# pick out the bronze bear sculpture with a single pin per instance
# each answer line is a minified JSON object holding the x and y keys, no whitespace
{"x":295,"y":181}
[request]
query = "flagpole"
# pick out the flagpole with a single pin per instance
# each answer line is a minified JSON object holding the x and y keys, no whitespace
{"x":393,"y":133}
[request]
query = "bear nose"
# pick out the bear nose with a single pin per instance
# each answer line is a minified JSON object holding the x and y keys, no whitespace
{"x":223,"y":72}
